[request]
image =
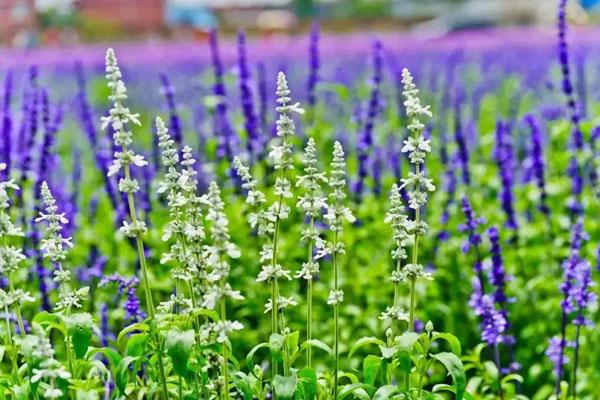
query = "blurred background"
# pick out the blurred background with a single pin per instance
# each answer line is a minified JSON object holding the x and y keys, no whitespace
{"x":35,"y":23}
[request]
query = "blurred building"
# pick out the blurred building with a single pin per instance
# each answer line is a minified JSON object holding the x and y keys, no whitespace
{"x":132,"y":16}
{"x":17,"y":21}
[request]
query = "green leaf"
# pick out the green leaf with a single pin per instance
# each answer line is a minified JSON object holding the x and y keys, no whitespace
{"x":251,"y":353}
{"x":112,"y":356}
{"x":79,"y":328}
{"x":317,"y":344}
{"x":371,"y":365}
{"x":136,"y":345}
{"x":406,"y":342}
{"x":385,"y":392}
{"x":308,"y":383}
{"x":456,"y":369}
{"x":352,"y":389}
{"x":285,"y":386}
{"x":291,"y":340}
{"x":364,"y":341}
{"x":122,"y":373}
{"x":138,"y":326}
{"x":452,"y":341}
{"x":179,"y":345}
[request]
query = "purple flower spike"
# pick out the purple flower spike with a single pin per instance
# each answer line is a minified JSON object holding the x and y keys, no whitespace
{"x":365,"y":139}
{"x":6,"y":132}
{"x":253,"y":144}
{"x":314,"y":63}
{"x":504,"y":156}
{"x":537,"y":161}
{"x":174,"y":122}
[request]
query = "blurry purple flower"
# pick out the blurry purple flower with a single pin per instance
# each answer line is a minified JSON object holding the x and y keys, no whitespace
{"x":504,"y":156}
{"x":174,"y":122}
{"x":556,"y":353}
{"x":313,"y":64}
{"x":365,"y":139}
{"x":537,"y":161}
{"x":263,"y":98}
{"x":253,"y":144}
{"x":6,"y":132}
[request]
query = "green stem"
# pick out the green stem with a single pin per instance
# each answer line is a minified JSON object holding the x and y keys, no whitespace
{"x":13,"y":357}
{"x":309,"y":300}
{"x":396,"y":303}
{"x":336,"y":322}
{"x":146,"y":281}
{"x":224,"y":346}
{"x":17,"y":310}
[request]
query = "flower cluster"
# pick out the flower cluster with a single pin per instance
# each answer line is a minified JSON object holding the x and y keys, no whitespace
{"x":312,"y":203}
{"x":119,"y":118}
{"x":55,"y":248}
{"x":336,"y":214}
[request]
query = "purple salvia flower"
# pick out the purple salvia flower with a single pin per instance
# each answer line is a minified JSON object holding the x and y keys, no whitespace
{"x":247,"y":99}
{"x":504,"y":156}
{"x":537,"y":161}
{"x":105,"y":334}
{"x":493,"y":322}
{"x":463,"y":151}
{"x":174,"y":122}
{"x":497,"y":272}
{"x":473,"y":241}
{"x":99,"y":147}
{"x":567,"y":85}
{"x":574,"y":170}
{"x":6,"y":133}
{"x":365,"y":139}
{"x":263,"y":97}
{"x":313,"y":64}
{"x":32,"y":126}
{"x":377,"y":170}
{"x":227,"y":140}
{"x":556,"y":352}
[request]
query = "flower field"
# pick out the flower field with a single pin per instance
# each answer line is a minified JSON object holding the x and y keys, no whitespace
{"x":314,"y":217}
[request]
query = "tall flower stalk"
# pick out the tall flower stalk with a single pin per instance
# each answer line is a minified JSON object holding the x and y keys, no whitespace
{"x":400,"y":224}
{"x":119,"y":118}
{"x":417,"y":148}
{"x":217,"y":255}
{"x":336,"y":214}
{"x":312,"y":202}
{"x":11,"y":256}
{"x":55,"y":248}
{"x":267,"y":219}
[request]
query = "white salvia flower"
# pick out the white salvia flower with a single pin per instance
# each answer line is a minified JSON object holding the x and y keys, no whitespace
{"x":119,"y":118}
{"x":416,"y":146}
{"x":50,"y":369}
{"x":282,"y":304}
{"x":55,"y":246}
{"x":336,"y":211}
{"x":335,"y":297}
{"x":399,"y":222}
{"x":222,"y":329}
{"x":254,"y":197}
{"x":394,"y":314}
{"x":215,"y":293}
{"x":270,"y":272}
